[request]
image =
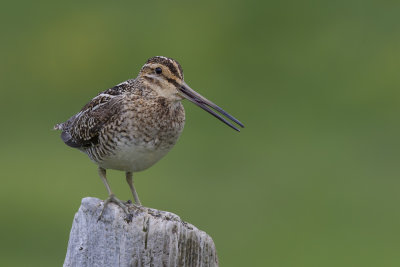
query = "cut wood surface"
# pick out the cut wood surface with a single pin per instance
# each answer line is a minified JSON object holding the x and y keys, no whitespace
{"x":151,"y":238}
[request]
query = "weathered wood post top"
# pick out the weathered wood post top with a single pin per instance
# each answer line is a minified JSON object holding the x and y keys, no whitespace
{"x":151,"y":238}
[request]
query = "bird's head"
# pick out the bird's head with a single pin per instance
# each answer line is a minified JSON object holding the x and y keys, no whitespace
{"x":165,"y":77}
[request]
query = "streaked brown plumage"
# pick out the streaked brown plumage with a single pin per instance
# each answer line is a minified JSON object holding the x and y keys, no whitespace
{"x":133,"y":125}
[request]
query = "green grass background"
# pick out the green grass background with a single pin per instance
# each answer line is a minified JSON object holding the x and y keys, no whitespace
{"x":313,"y":179}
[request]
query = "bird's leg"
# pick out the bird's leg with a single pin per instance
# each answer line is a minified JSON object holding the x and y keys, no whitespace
{"x":111,"y":196}
{"x":129,"y":180}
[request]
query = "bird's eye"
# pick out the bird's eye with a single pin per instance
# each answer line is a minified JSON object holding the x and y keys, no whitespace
{"x":158,"y":70}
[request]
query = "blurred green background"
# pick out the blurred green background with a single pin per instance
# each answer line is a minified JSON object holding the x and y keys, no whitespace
{"x":313,"y":179}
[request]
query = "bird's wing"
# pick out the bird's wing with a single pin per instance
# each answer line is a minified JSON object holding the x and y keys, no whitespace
{"x":82,"y":130}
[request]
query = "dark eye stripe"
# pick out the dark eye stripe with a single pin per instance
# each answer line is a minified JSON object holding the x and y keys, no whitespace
{"x":170,"y":64}
{"x":173,"y":70}
{"x":173,"y":82}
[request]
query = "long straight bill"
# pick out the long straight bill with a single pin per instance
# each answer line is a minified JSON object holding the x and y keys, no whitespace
{"x":206,"y":104}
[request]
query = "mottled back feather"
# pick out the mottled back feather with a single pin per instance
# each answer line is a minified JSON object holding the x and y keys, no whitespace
{"x":82,"y":130}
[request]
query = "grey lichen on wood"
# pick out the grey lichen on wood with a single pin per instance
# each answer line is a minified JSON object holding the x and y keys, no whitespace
{"x":152,"y":238}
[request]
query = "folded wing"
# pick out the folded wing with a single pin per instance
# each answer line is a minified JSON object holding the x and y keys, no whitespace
{"x":82,"y":130}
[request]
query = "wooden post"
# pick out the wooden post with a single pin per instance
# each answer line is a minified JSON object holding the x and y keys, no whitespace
{"x":152,"y":238}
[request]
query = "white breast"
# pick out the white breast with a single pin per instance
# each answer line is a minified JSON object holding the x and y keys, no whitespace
{"x":133,"y":157}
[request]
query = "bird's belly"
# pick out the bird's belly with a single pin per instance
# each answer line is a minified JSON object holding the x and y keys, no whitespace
{"x":133,"y":157}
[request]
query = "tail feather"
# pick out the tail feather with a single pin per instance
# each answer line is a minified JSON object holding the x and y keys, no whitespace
{"x":59,"y":126}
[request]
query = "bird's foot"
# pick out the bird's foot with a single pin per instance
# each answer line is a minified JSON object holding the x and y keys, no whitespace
{"x":113,"y":198}
{"x":136,"y":205}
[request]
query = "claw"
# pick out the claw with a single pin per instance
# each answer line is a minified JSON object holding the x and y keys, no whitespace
{"x":114,"y":199}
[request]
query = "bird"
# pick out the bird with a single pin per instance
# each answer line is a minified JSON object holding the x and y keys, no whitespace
{"x":132,"y":125}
